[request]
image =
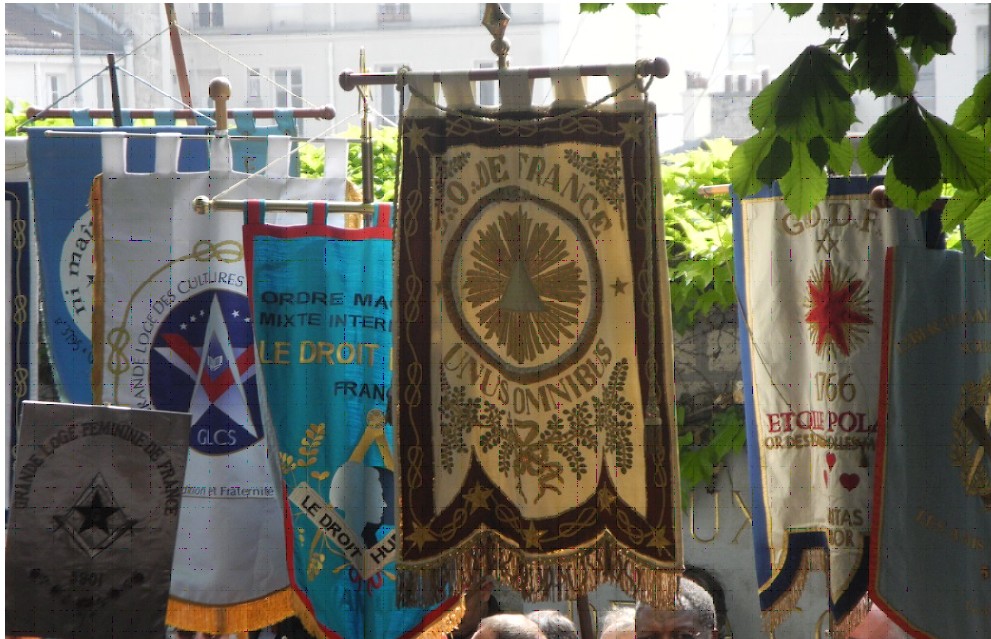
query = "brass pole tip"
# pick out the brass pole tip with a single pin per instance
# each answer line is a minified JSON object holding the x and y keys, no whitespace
{"x":201,"y":204}
{"x":879,"y":197}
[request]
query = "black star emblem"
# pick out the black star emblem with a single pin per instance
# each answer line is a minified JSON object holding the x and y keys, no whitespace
{"x":619,"y":286}
{"x":96,"y":514}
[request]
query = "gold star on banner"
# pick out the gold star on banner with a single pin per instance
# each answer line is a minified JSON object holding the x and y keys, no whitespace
{"x":531,"y":536}
{"x":416,"y":136}
{"x":631,"y":130}
{"x":659,"y":539}
{"x":478,"y":497}
{"x":606,"y":500}
{"x":421,"y":535}
{"x":619,"y":286}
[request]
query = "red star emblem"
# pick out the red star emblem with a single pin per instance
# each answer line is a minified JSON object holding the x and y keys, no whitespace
{"x":838,"y":311}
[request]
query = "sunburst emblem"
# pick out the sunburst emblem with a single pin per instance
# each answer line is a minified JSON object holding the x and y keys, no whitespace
{"x":522,"y":286}
{"x":971,"y":448}
{"x":838,"y":314}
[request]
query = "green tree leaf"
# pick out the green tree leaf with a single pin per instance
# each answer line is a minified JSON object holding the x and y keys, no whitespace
{"x":978,"y":227}
{"x":975,"y":111}
{"x":876,"y":67}
{"x":762,"y":107}
{"x":840,"y":156}
{"x":962,"y":205}
{"x":747,"y":160}
{"x":906,"y":74}
{"x":908,"y":197}
{"x":592,"y":7}
{"x":645,"y":8}
{"x":964,"y":159}
{"x":805,"y":183}
{"x":924,"y":28}
{"x":777,"y":161}
{"x":869,"y":161}
{"x":815,"y":98}
{"x":818,"y":150}
{"x":795,"y":9}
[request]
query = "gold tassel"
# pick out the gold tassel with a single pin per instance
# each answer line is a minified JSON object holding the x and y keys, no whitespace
{"x":223,"y":620}
{"x":437,"y":629}
{"x":841,"y":628}
{"x":306,"y":617}
{"x":813,"y":559}
{"x":440,"y":627}
{"x":565,"y":575}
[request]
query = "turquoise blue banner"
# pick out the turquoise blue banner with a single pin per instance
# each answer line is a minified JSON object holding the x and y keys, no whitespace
{"x":931,"y":529}
{"x":322,"y":309}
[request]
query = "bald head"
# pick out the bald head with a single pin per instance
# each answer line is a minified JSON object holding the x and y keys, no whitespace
{"x":507,"y":626}
{"x":553,"y":624}
{"x":619,"y":623}
{"x":694,"y":610}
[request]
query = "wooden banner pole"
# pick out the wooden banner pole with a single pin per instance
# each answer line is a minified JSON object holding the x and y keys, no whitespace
{"x":182,"y":75}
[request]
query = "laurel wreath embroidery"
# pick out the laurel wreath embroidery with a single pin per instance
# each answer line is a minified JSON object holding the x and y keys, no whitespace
{"x":309,"y":450}
{"x":525,"y":446}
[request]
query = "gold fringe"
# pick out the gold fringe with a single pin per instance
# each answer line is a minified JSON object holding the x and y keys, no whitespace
{"x":440,"y":627}
{"x":813,"y":559}
{"x":841,"y":628}
{"x":223,"y":620}
{"x":351,"y":192}
{"x":306,"y":617}
{"x":564,"y":576}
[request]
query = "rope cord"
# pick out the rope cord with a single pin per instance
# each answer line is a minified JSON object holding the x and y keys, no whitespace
{"x":273,"y":162}
{"x":41,"y":114}
{"x":251,"y":69}
{"x":170,"y":97}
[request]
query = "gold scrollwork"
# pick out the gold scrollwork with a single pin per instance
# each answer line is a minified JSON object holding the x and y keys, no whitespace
{"x":715,"y":519}
{"x":746,"y":513}
{"x":819,"y":626}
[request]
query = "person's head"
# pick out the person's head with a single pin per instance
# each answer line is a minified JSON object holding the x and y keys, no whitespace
{"x":553,"y":624}
{"x":694,"y":616}
{"x":618,"y":623}
{"x":507,"y":626}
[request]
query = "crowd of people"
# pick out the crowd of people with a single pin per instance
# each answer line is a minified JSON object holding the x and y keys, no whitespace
{"x":693,"y":617}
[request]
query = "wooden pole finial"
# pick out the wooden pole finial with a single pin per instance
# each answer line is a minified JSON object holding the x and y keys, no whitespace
{"x":220,"y":92}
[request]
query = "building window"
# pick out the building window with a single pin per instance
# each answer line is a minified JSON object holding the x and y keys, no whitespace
{"x":101,"y":92}
{"x":53,"y":85}
{"x":489,"y":89}
{"x":210,"y":14}
{"x":983,"y":54}
{"x":394,"y":12}
{"x":254,"y":97}
{"x":925,"y":87}
{"x":291,"y":79}
{"x":388,"y":98}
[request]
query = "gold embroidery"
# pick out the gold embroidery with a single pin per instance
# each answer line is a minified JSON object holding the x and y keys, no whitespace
{"x":525,"y":446}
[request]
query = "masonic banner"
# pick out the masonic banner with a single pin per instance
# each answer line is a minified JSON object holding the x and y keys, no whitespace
{"x":810,"y":305}
{"x":322,"y":302}
{"x":931,"y":529}
{"x":175,"y":329}
{"x":533,"y":361}
{"x":93,"y":521}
